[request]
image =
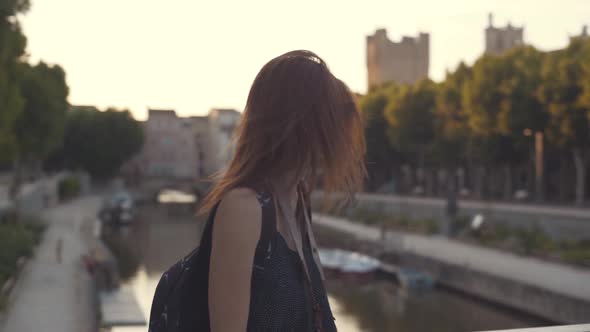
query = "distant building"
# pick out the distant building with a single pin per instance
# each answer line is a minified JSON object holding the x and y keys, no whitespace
{"x":404,"y":62}
{"x":583,"y":35}
{"x":500,"y":40}
{"x":186,"y":147}
{"x":222,"y":124}
{"x":169,"y":149}
{"x":201,"y":136}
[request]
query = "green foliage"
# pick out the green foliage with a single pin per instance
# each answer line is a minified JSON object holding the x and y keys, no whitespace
{"x":500,"y":102}
{"x":12,"y":49}
{"x":461,"y":222}
{"x":535,"y":241}
{"x":576,"y":252}
{"x":39,"y":127}
{"x":68,"y":188}
{"x":401,"y":222}
{"x":411,"y":119}
{"x":432,"y":227}
{"x":381,"y":156}
{"x":10,"y":8}
{"x":10,"y":105}
{"x":565,"y":90}
{"x":486,"y":115}
{"x":16,"y":240}
{"x":100,"y":142}
{"x":451,"y":129}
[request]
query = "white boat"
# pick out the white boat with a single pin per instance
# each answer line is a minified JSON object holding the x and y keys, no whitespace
{"x":348,"y":262}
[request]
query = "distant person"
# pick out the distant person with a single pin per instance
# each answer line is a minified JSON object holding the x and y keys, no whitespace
{"x":257,"y":268}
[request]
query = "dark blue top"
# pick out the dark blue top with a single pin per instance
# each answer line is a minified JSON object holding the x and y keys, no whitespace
{"x":279,"y":299}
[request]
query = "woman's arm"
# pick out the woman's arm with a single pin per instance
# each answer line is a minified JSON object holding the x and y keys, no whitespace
{"x":236,"y":230}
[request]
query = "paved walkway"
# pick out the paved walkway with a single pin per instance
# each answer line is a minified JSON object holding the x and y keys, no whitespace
{"x":54,"y":293}
{"x":561,"y":279}
{"x":532,"y":208}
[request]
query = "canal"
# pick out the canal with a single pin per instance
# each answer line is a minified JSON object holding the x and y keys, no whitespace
{"x":161,"y":235}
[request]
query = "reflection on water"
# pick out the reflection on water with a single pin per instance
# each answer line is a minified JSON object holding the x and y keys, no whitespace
{"x":380,"y":305}
{"x":175,"y":196}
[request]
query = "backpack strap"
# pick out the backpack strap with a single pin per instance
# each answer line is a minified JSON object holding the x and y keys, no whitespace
{"x":267,"y":231}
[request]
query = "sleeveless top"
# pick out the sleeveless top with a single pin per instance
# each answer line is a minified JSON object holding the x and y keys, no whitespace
{"x":279,"y":298}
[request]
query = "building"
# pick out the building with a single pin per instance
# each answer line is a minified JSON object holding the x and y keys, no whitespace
{"x":222,"y":124}
{"x":186,"y":147}
{"x":201,"y":136}
{"x":169,"y":149}
{"x":583,"y":35}
{"x":405,"y":62}
{"x":500,"y":40}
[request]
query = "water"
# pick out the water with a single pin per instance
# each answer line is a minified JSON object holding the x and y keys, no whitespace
{"x":161,"y":236}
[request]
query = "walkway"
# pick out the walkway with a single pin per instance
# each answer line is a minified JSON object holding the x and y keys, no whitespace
{"x":535,"y":208}
{"x":560,"y":279}
{"x":54,"y":293}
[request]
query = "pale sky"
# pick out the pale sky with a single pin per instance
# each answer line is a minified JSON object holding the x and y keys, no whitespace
{"x":192,"y":55}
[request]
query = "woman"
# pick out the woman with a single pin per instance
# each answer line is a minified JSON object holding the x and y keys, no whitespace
{"x":300,"y":127}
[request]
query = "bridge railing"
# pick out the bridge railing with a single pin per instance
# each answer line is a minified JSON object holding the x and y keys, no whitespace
{"x":563,"y":328}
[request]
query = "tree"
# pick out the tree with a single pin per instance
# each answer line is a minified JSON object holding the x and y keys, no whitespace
{"x":39,"y":126}
{"x":564,"y":91}
{"x":451,"y":129}
{"x":100,"y":142}
{"x":451,"y":132}
{"x":487,"y":103}
{"x":411,"y":121}
{"x":382,"y":158}
{"x":12,"y":49}
{"x":521,"y":111}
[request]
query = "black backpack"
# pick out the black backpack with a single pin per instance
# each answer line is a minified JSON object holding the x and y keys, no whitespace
{"x":180,"y":302}
{"x":187,"y":276}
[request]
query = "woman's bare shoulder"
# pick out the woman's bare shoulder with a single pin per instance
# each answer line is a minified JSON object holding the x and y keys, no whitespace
{"x":239,"y":210}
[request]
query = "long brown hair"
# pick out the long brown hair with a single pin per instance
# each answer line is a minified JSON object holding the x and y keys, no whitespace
{"x":299,"y":121}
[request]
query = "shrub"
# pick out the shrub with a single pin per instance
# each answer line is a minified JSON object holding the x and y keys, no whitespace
{"x":576,"y":252}
{"x":16,"y":240}
{"x":432,"y":227}
{"x":460,"y":222}
{"x":68,"y":188}
{"x":579,"y":256}
{"x":535,"y":241}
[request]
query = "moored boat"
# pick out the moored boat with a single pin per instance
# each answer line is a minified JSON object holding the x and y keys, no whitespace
{"x":348,"y":264}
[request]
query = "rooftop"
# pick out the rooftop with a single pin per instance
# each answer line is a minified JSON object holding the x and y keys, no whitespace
{"x":225,"y":110}
{"x":509,"y":26}
{"x":161,"y":112}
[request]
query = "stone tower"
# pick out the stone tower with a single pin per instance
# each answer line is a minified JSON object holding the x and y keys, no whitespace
{"x":404,"y":62}
{"x":500,"y":40}
{"x":583,"y":35}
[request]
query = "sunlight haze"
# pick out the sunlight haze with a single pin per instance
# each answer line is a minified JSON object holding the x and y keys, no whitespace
{"x":191,"y":56}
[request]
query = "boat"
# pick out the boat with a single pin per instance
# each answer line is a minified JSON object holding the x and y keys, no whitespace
{"x":347,"y":263}
{"x":412,"y":279}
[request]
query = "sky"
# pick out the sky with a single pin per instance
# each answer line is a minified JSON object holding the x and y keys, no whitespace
{"x":192,"y":55}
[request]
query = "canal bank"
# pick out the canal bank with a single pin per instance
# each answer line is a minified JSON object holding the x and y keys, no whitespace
{"x":557,"y":222}
{"x":552,"y":291}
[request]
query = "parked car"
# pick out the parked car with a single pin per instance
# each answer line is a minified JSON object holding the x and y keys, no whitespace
{"x":118,"y":208}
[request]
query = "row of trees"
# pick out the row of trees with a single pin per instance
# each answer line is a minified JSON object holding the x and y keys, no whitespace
{"x":487,"y":123}
{"x":36,"y":121}
{"x":97,"y":141}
